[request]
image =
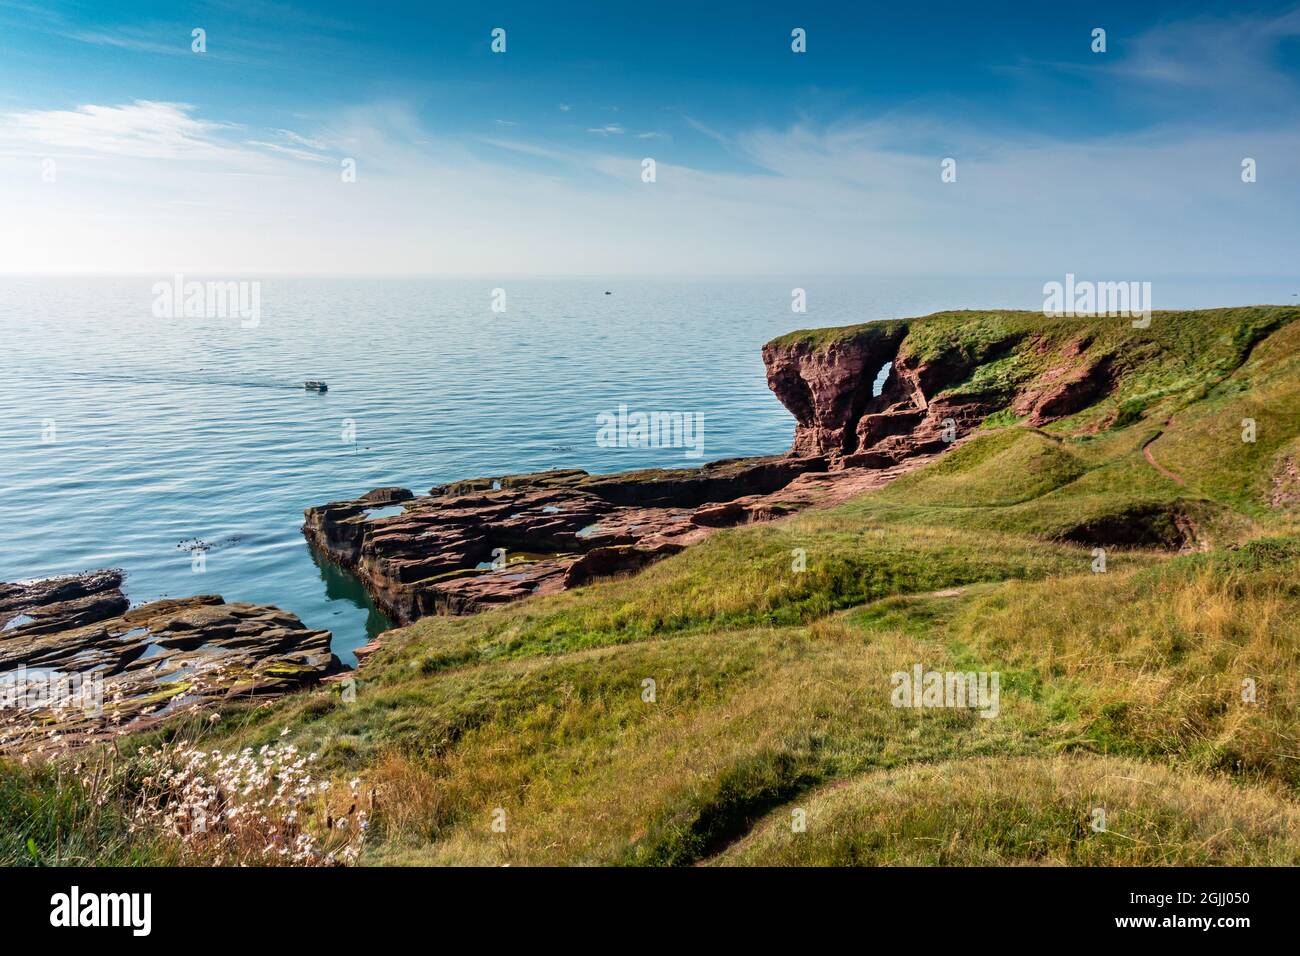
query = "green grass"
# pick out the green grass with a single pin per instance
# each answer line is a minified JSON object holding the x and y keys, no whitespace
{"x":818,"y":339}
{"x":52,"y":817}
{"x":998,"y":813}
{"x":1003,"y":468}
{"x":772,"y":686}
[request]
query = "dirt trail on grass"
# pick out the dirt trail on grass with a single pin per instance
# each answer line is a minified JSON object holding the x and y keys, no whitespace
{"x":1151,"y":459}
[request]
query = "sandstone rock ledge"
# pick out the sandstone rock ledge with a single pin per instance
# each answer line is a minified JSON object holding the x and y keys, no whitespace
{"x":76,"y":665}
{"x":870,"y":402}
{"x":443,"y":553}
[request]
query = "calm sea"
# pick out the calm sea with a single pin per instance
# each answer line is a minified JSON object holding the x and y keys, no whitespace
{"x":125,"y":439}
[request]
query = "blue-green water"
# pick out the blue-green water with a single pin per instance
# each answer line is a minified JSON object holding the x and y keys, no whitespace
{"x":170,"y":430}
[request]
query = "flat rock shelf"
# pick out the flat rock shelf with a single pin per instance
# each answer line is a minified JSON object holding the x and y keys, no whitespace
{"x":78,"y":665}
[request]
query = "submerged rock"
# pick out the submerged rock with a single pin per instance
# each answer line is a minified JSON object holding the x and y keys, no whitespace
{"x":77,"y":666}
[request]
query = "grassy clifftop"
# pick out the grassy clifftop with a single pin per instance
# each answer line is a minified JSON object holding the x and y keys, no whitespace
{"x":692,"y":712}
{"x":1177,"y":353}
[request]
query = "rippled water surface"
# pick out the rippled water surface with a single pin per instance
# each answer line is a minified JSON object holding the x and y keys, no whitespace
{"x":168,"y":431}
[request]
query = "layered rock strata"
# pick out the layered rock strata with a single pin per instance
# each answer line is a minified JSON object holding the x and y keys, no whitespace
{"x":870,"y":397}
{"x":77,"y":664}
{"x":473,"y":544}
{"x":870,"y":402}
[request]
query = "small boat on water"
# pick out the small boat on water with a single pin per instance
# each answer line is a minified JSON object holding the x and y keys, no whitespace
{"x":313,"y":385}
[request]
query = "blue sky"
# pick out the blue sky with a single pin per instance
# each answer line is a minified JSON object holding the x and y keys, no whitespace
{"x":1127,"y":161}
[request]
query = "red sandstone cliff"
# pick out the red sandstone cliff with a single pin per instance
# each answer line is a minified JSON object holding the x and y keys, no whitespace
{"x":934,"y":393}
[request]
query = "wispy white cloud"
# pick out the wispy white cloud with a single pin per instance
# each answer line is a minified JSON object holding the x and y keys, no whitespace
{"x":137,"y":40}
{"x":527,"y":149}
{"x":300,"y":140}
{"x":850,"y":196}
{"x":608,"y":129}
{"x":706,"y":130}
{"x":287,"y":150}
{"x":1220,"y":59}
{"x":293,"y":144}
{"x":1222,"y":53}
{"x":143,"y":129}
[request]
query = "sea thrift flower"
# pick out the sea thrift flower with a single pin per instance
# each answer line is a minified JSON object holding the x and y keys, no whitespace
{"x":230,"y":808}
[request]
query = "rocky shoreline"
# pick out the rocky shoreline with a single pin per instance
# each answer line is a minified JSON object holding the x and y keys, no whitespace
{"x":468,"y":546}
{"x":78,"y":665}
{"x":870,"y":403}
{"x":471,"y":545}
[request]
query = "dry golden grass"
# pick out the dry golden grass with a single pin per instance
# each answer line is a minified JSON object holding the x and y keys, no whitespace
{"x":772,"y":686}
{"x":1159,"y":663}
{"x":1040,"y":811}
{"x":740,"y":720}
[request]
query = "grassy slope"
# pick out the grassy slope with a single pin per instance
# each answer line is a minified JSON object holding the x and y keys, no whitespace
{"x":772,"y":687}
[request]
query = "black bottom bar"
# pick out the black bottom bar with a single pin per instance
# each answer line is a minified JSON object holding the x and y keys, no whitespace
{"x":337,"y":907}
